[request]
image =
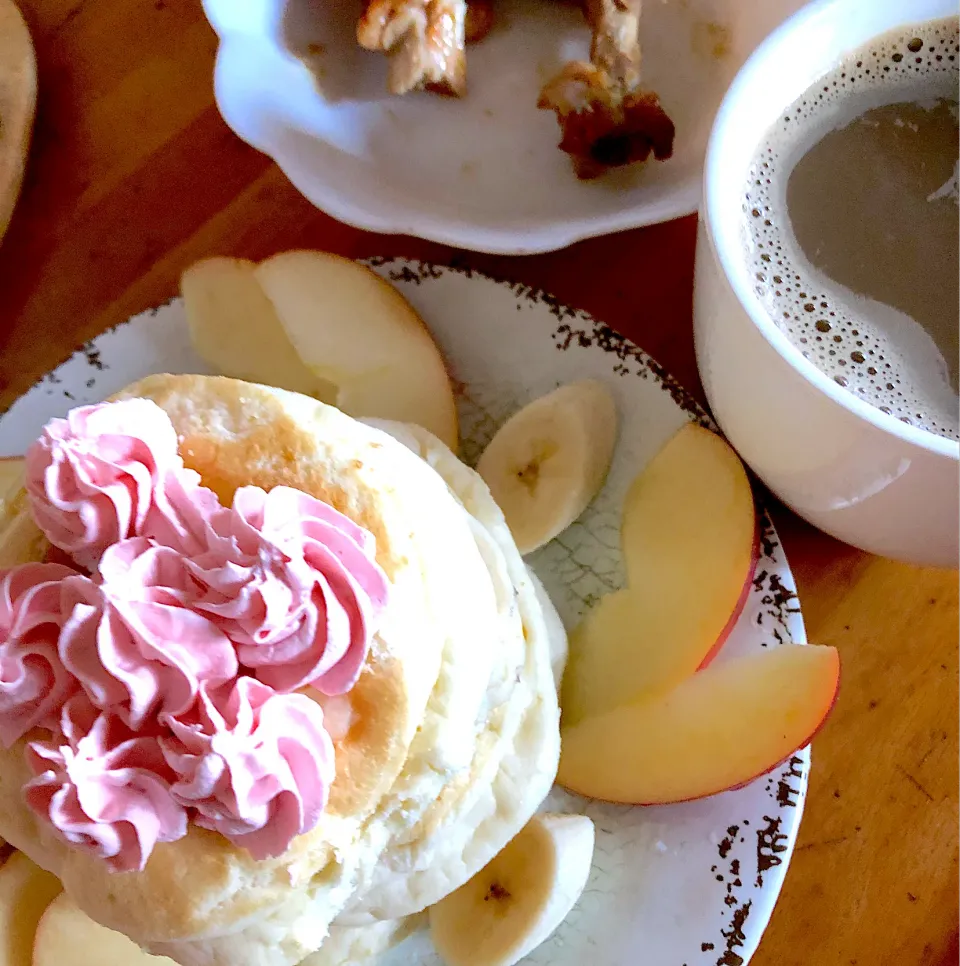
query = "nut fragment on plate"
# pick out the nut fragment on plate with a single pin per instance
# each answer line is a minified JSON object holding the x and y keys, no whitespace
{"x":607,"y":120}
{"x":480,"y":19}
{"x":424,"y":39}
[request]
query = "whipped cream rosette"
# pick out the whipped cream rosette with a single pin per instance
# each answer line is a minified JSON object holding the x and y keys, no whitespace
{"x":242,"y":558}
{"x":34,"y":683}
{"x":251,"y":764}
{"x":103,"y":787}
{"x":109,"y":472}
{"x":138,"y":668}
{"x":132,"y":639}
{"x":293,"y":583}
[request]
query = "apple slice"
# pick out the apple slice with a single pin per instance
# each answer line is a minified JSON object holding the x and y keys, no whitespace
{"x":718,"y":729}
{"x":18,"y":103}
{"x":21,"y":541}
{"x":67,"y":936}
{"x":11,"y":484}
{"x":738,"y":607}
{"x":357,"y":334}
{"x":689,"y":537}
{"x":234,"y":328}
{"x":25,"y":892}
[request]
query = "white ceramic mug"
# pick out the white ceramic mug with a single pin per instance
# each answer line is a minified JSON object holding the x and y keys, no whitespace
{"x":843,"y":465}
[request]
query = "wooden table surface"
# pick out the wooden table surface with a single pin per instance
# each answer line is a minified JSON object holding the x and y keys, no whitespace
{"x":133,"y":175}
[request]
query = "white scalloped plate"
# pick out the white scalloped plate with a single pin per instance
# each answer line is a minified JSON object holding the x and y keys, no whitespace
{"x":682,"y":885}
{"x":483,"y":172}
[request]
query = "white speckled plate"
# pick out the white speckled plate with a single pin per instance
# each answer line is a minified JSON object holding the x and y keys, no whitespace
{"x":684,"y":885}
{"x":482,"y":172}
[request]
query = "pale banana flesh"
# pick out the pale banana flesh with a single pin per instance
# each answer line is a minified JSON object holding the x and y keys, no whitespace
{"x":517,"y":901}
{"x":549,"y":460}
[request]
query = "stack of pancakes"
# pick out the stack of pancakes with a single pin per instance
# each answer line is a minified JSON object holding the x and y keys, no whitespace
{"x":444,"y":748}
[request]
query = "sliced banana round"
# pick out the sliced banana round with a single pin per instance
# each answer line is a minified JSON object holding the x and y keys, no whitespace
{"x":549,"y":460}
{"x":516,"y":902}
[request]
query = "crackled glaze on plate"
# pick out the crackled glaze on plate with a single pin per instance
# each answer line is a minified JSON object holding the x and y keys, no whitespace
{"x":482,"y":172}
{"x":680,"y":885}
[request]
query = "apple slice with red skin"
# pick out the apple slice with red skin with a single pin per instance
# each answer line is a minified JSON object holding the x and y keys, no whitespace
{"x":67,"y":936}
{"x":740,"y":605}
{"x":690,"y":540}
{"x":718,"y":729}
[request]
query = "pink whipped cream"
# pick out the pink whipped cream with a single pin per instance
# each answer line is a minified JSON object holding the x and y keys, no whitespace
{"x":109,"y":472}
{"x":134,"y":642}
{"x":294,"y":584}
{"x":254,"y":765}
{"x":33,"y":681}
{"x":103,"y":788}
{"x":164,"y":678}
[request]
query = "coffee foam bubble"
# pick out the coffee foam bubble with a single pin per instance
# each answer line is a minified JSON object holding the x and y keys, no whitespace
{"x":871,"y":350}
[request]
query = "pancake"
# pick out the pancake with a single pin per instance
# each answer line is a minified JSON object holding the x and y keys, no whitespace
{"x":364,"y":945}
{"x":517,"y":742}
{"x":446,"y":745}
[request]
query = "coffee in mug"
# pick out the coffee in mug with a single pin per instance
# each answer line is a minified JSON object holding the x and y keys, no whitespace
{"x":850,"y":224}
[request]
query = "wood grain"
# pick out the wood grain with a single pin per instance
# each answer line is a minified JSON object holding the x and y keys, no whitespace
{"x":133,"y":175}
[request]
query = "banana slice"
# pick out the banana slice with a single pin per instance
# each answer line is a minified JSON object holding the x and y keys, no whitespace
{"x":516,"y":902}
{"x":549,"y":460}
